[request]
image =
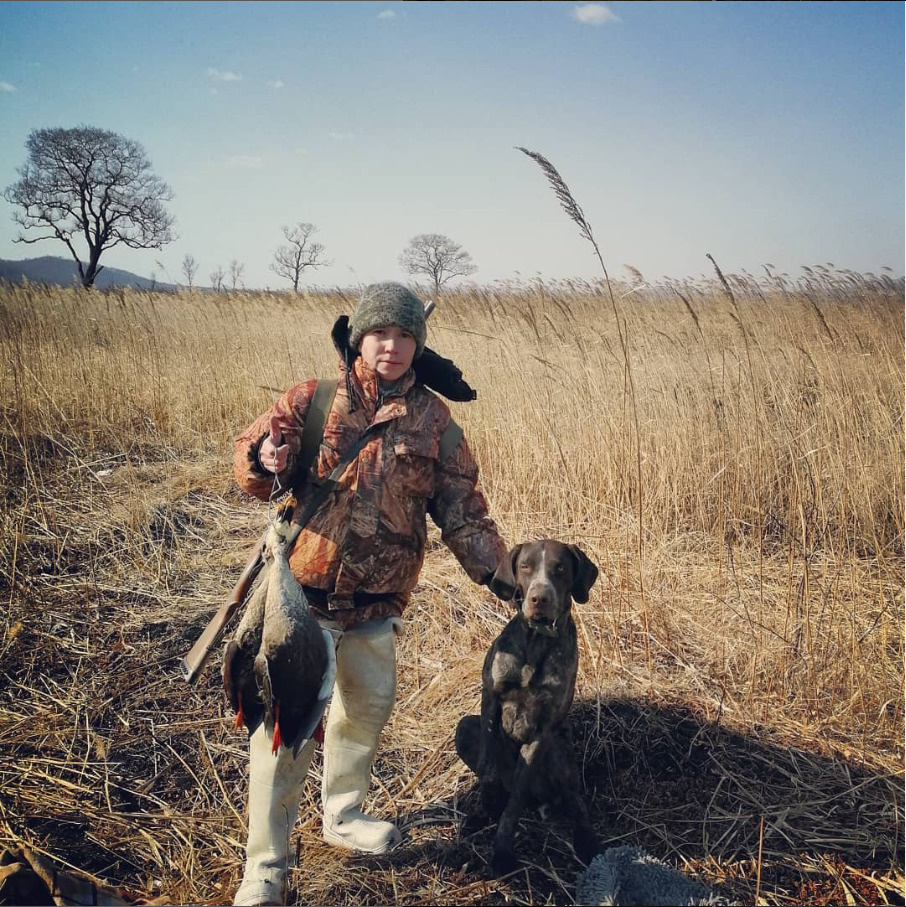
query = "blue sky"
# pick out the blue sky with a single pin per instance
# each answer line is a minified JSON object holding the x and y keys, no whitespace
{"x":759,"y":132}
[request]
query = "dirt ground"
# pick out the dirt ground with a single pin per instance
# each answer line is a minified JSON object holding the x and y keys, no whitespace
{"x":113,"y":765}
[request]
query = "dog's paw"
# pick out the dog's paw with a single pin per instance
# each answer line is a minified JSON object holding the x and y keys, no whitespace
{"x":503,"y":861}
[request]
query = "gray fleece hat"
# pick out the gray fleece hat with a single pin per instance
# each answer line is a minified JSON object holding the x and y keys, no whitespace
{"x":384,"y":304}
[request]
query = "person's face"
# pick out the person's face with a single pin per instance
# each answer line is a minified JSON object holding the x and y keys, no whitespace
{"x":389,"y":351}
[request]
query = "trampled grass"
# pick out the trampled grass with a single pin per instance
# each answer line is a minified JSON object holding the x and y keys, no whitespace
{"x":740,"y":701}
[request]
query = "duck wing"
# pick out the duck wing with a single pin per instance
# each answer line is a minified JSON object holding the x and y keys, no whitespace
{"x":302,"y":675}
{"x":293,"y":645}
{"x":240,"y":683}
{"x":310,"y":726}
{"x":241,"y":686}
{"x":266,"y":692}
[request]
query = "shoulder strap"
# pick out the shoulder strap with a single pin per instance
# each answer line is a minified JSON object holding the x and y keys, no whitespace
{"x":313,"y":431}
{"x":325,"y":487}
{"x":449,"y":441}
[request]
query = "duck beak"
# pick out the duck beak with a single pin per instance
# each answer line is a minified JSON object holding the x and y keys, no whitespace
{"x":286,"y":508}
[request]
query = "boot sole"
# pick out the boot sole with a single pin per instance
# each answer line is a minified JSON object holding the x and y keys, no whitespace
{"x":339,"y":841}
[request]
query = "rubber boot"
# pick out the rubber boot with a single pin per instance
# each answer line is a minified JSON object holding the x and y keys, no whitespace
{"x":362,"y":702}
{"x":275,"y":789}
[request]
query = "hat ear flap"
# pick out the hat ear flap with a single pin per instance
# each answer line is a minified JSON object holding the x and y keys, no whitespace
{"x":586,"y":574}
{"x":503,"y":582}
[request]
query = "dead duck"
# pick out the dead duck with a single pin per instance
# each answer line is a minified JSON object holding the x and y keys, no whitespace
{"x":280,"y":666}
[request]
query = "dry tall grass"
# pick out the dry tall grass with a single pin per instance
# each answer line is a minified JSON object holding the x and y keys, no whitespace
{"x":742,"y":718}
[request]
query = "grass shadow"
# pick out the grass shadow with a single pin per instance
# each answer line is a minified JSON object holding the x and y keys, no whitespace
{"x":745,"y":814}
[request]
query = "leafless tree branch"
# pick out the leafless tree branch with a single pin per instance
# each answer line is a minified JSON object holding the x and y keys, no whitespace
{"x":300,"y":253}
{"x":236,"y":270}
{"x":217,"y":277}
{"x":189,"y":269}
{"x":438,"y":257}
{"x":94,"y":185}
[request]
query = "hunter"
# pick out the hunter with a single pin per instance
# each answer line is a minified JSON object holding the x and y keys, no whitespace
{"x":359,"y":557}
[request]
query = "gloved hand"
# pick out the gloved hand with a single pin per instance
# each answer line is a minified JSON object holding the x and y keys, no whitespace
{"x":273,"y":453}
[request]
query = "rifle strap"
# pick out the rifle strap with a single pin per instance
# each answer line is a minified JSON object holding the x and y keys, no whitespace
{"x":313,"y":431}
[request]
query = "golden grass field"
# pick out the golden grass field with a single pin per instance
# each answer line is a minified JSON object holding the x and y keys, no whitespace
{"x":740,"y":708}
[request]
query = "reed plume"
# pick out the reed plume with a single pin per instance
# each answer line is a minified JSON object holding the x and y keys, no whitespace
{"x":574,"y":210}
{"x":561,"y":190}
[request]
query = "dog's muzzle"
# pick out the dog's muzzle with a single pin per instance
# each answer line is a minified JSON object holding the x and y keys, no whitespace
{"x":546,"y":625}
{"x":540,"y":626}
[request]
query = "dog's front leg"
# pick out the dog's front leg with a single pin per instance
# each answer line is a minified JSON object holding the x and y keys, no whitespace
{"x":493,"y":794}
{"x":503,"y":859}
{"x":491,"y":711}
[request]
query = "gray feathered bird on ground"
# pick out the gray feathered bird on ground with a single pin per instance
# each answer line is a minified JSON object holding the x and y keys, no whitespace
{"x":280,"y":666}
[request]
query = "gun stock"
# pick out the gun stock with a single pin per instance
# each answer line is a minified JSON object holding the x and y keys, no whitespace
{"x":195,"y":661}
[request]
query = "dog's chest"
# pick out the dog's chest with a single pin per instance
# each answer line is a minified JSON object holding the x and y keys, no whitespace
{"x":511,"y":670}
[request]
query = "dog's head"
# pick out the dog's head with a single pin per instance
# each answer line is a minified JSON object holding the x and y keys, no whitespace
{"x":543,"y":578}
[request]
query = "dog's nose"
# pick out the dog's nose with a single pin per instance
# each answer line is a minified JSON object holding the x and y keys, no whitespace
{"x":539,"y":599}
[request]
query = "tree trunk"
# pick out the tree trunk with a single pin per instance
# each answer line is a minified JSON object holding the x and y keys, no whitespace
{"x":92,"y":270}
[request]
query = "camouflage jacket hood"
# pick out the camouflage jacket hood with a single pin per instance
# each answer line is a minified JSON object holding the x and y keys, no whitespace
{"x":364,"y":547}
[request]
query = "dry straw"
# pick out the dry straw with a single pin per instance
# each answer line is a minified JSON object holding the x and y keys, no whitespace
{"x":754,"y":705}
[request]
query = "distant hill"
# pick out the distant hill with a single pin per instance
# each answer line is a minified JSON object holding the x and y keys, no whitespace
{"x":64,"y":273}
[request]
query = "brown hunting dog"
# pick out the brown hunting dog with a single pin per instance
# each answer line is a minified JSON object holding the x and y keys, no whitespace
{"x":520,"y":748}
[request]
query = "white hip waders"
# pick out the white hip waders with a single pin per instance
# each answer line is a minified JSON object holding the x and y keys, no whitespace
{"x":363,"y":699}
{"x":362,"y":702}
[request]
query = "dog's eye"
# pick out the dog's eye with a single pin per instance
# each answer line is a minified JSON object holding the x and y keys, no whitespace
{"x":559,"y":568}
{"x":523,"y":567}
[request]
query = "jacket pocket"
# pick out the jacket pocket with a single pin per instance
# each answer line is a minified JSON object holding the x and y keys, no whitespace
{"x":412,"y":473}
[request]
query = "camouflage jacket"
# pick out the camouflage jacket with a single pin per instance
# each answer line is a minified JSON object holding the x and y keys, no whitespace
{"x":361,"y":553}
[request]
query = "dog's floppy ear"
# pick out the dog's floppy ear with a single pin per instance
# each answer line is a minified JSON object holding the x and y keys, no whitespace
{"x":586,"y":574}
{"x":503,"y":582}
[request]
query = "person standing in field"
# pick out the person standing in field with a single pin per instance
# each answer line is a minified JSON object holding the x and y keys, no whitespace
{"x":358,"y":559}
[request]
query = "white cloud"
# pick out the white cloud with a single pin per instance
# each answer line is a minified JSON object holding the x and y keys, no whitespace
{"x":277,"y":83}
{"x":223,"y":76}
{"x":7,"y":88}
{"x":246,"y":161}
{"x":386,"y":14}
{"x":594,"y":14}
{"x":341,"y":136}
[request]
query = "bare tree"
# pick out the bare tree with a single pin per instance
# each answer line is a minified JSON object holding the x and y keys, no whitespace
{"x":301,"y":252}
{"x":438,"y":257}
{"x":190,"y":269}
{"x":93,"y":185}
{"x":236,"y":269}
{"x":216,"y":279}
